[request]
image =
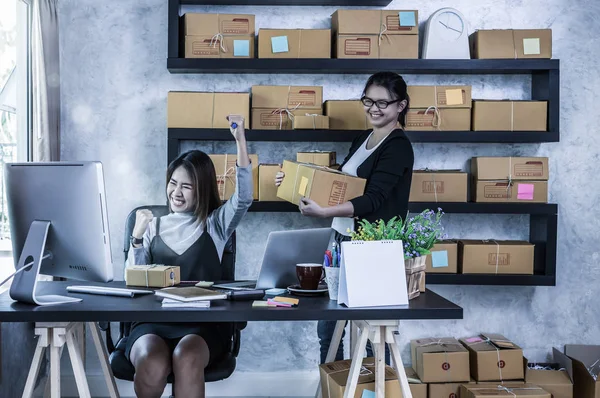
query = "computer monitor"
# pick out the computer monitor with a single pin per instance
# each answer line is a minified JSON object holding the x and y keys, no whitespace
{"x":59,"y":225}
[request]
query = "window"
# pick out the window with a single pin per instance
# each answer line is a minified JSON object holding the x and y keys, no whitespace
{"x":15,"y":95}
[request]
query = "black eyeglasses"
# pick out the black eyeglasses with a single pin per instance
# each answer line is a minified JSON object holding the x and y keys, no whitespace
{"x":380,"y":104}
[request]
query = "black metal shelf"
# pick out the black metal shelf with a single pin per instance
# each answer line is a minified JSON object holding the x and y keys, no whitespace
{"x":275,"y":3}
{"x":347,"y":66}
{"x":490,"y":279}
{"x":506,"y":137}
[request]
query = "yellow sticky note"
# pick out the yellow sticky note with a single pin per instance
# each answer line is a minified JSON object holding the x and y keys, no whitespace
{"x":303,"y":186}
{"x":287,"y":300}
{"x":454,"y":97}
{"x":531,"y":46}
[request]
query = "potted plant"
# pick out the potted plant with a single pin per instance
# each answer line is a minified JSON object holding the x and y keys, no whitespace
{"x":418,"y":235}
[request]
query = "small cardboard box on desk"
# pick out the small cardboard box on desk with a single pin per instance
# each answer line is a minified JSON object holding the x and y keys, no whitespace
{"x":555,"y":377}
{"x":153,"y":275}
{"x":440,"y":360}
{"x":494,"y":358}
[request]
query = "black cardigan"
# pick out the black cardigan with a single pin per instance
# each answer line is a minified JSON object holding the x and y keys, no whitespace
{"x":388,"y":171}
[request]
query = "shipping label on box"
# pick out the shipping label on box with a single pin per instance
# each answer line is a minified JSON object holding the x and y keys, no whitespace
{"x":205,"y":110}
{"x":287,"y":97}
{"x":495,"y":257}
{"x":510,"y":115}
{"x":510,"y":168}
{"x":310,"y":122}
{"x":515,"y":192}
{"x":440,"y":96}
{"x":277,"y":118}
{"x":511,"y":44}
{"x":443,"y":258}
{"x":503,"y":391}
{"x":375,"y":22}
{"x":296,"y":43}
{"x":586,"y":369}
{"x":325,"y":186}
{"x":346,"y":115}
{"x":199,"y":24}
{"x":225,"y":168}
{"x":320,"y":158}
{"x":334,"y":376}
{"x":440,"y":360}
{"x":267,"y":190}
{"x":494,"y":358}
{"x":430,"y":119}
{"x":372,"y":47}
{"x":154,"y":275}
{"x":438,"y":186}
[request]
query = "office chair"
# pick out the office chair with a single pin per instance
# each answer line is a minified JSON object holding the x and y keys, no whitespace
{"x":223,"y":367}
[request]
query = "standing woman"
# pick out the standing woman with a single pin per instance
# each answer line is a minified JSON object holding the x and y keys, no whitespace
{"x":384,"y":157}
{"x":193,"y":237}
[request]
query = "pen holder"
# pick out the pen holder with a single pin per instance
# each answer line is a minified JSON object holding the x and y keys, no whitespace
{"x":332,"y":277}
{"x":415,"y":275}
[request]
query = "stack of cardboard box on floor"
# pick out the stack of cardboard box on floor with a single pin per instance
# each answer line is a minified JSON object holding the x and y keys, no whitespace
{"x":275,"y":107}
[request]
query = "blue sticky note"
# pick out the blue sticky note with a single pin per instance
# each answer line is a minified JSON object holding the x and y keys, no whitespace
{"x":368,"y":394}
{"x":279,"y":44}
{"x":407,"y":18}
{"x":439,"y":259}
{"x":241,"y":48}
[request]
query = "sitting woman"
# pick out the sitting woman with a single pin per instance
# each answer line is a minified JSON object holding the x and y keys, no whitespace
{"x":193,"y":237}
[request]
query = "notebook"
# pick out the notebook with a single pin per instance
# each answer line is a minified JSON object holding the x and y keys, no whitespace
{"x":191,"y":293}
{"x":170,"y":303}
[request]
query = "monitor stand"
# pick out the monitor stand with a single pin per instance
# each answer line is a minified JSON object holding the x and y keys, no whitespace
{"x":24,"y":285}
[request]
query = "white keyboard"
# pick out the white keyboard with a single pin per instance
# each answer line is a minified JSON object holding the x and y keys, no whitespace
{"x":107,"y":291}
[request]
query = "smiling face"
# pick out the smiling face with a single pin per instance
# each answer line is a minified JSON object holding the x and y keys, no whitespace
{"x":181,"y":191}
{"x":382,"y":117}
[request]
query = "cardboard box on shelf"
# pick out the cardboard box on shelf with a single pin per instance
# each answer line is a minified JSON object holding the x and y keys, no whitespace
{"x":320,"y":158}
{"x":325,"y":186}
{"x":277,"y":118}
{"x":517,"y":168}
{"x":267,"y":190}
{"x":493,"y":358}
{"x":508,"y":115}
{"x":556,"y":377}
{"x":586,"y":369}
{"x":514,"y":391}
{"x":505,"y":192}
{"x":225,"y":166}
{"x":447,"y":390}
{"x":511,"y":44}
{"x":152,"y":275}
{"x":211,"y":47}
{"x":197,"y":24}
{"x":443,"y":258}
{"x":439,"y":360}
{"x":440,"y":96}
{"x":218,"y":35}
{"x":310,"y":122}
{"x":370,"y":46}
{"x":418,"y":389}
{"x":205,"y":110}
{"x":445,"y":108}
{"x":438,"y":186}
{"x":346,"y":115}
{"x":294,"y":43}
{"x":287,"y":97}
{"x":495,"y":257}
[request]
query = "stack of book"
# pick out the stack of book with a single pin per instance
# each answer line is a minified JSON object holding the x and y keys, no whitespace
{"x":188,"y":297}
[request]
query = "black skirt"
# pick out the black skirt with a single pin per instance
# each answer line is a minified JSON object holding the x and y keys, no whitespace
{"x":217,"y":335}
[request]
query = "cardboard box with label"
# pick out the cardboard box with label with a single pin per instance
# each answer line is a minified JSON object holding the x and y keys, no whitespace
{"x":515,"y":192}
{"x":555,"y":377}
{"x":391,"y":34}
{"x":495,"y":257}
{"x":325,"y":186}
{"x":294,"y":43}
{"x":517,"y":168}
{"x":510,"y":391}
{"x":494,"y":358}
{"x":443,"y":258}
{"x":310,"y":122}
{"x":218,"y":35}
{"x":447,"y":390}
{"x":440,"y":360}
{"x":154,"y":275}
{"x":444,"y":108}
{"x":277,"y":118}
{"x":267,"y":190}
{"x":511,"y":44}
{"x":205,"y":110}
{"x":346,"y":115}
{"x":509,"y":115}
{"x":320,"y":158}
{"x":438,"y":186}
{"x":586,"y":369}
{"x":225,"y":166}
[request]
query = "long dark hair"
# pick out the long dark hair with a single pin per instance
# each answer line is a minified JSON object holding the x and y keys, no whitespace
{"x":202,"y":171}
{"x":396,"y":86}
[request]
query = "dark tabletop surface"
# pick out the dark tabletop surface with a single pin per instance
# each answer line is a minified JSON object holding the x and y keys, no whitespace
{"x":148,"y":308}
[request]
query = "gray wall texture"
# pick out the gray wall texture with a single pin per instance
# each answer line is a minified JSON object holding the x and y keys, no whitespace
{"x":114,"y":89}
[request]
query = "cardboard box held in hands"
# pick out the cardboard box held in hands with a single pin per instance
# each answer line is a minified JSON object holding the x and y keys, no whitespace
{"x":325,"y":186}
{"x":555,"y":377}
{"x":586,"y":369}
{"x":494,"y":358}
{"x":440,"y":360}
{"x":504,"y":391}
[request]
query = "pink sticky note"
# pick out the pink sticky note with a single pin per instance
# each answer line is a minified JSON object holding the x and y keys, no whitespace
{"x":474,"y":340}
{"x":525,"y":191}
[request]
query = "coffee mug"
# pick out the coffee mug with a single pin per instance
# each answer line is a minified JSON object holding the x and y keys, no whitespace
{"x":309,"y":275}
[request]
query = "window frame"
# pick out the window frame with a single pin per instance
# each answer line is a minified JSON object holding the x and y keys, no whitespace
{"x":24,"y":97}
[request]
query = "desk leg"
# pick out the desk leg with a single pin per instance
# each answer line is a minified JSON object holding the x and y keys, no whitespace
{"x":333,"y":348}
{"x":54,"y":366}
{"x":400,"y":366}
{"x":36,"y":363}
{"x":353,"y":337}
{"x":356,"y":365}
{"x":73,"y":347}
{"x":109,"y":378}
{"x":380,"y":364}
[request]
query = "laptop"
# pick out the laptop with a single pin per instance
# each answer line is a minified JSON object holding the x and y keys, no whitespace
{"x":284,"y":250}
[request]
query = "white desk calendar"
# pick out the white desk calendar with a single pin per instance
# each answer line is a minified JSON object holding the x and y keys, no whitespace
{"x":372,"y":274}
{"x":446,"y":36}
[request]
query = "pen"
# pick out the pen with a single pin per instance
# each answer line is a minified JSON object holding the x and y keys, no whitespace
{"x":234,"y":125}
{"x":326,"y":260}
